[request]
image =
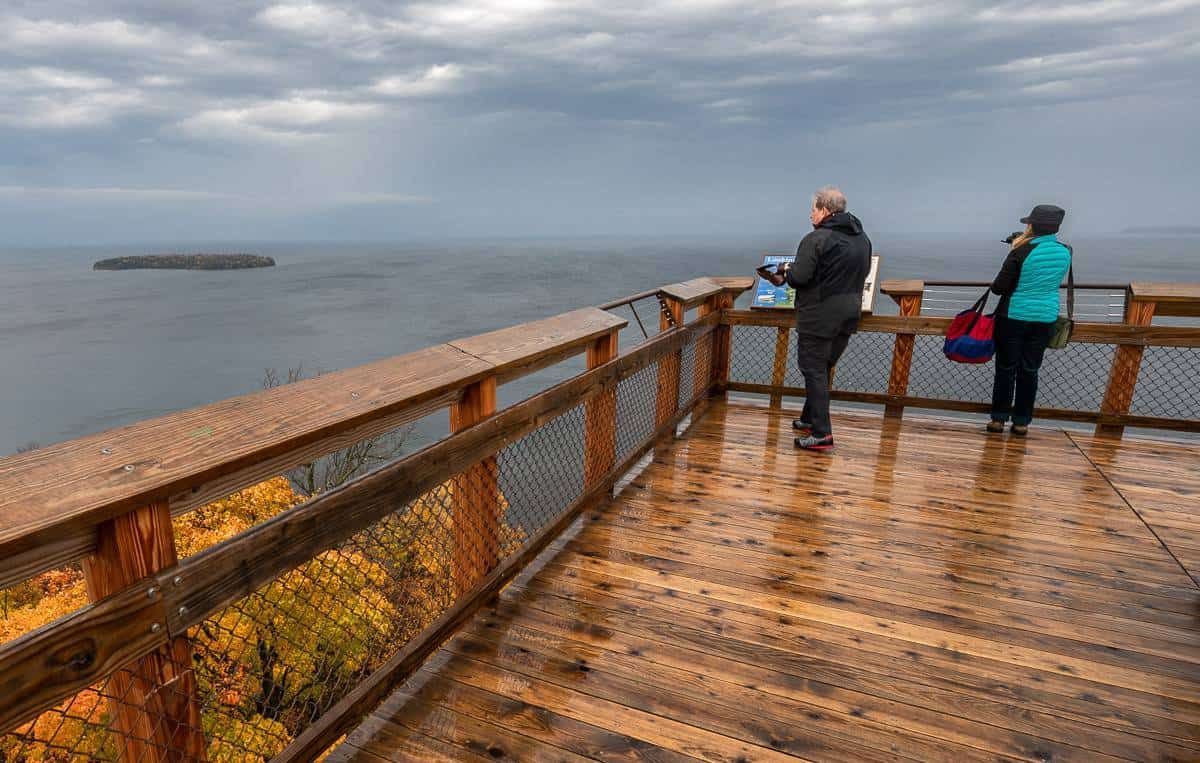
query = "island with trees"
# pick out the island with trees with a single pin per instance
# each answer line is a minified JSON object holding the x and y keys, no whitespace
{"x":185,"y":262}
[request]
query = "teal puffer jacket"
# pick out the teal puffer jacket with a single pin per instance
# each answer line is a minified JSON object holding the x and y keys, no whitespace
{"x":1029,"y":281}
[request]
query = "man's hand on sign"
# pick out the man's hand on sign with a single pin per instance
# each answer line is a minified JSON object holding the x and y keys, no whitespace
{"x":780,"y":276}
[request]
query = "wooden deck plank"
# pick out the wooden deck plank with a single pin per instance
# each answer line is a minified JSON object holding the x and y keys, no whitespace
{"x":1161,"y":482}
{"x":817,"y":649}
{"x":925,"y":593}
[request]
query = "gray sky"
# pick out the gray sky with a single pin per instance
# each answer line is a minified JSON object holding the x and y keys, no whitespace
{"x":142,"y":120}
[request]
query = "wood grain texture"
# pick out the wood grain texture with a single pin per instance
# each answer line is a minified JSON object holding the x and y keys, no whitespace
{"x":236,"y":568}
{"x":42,"y":668}
{"x":940,"y":404}
{"x":1126,"y":365}
{"x":342,"y":717}
{"x":739,"y":598}
{"x":668,"y":381}
{"x":518,"y":350}
{"x":691,"y":293}
{"x":475,"y":499}
{"x":600,"y":416}
{"x":66,"y":490}
{"x":1174,"y":299}
{"x":902,"y":288}
{"x":902,"y":351}
{"x":779,"y":362}
{"x":153,"y":701}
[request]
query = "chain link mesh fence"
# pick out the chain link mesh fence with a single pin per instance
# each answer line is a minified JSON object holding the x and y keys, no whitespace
{"x":1168,"y":383}
{"x":267,"y":667}
{"x":1074,"y":378}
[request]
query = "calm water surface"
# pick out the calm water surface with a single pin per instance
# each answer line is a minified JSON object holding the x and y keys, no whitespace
{"x":84,"y":351}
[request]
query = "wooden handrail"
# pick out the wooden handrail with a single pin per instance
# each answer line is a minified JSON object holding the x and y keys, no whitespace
{"x":1085,"y":333}
{"x":52,"y":499}
{"x":201,"y":585}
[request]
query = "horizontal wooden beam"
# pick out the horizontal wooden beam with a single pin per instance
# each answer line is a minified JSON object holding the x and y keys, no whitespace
{"x":53,"y":498}
{"x":519,"y":350}
{"x":897,"y":289}
{"x":692,"y":293}
{"x":231,"y":570}
{"x":1172,"y":299}
{"x":346,"y":714}
{"x":734,"y":285}
{"x":965,"y":406}
{"x":62,"y":490}
{"x":1087,"y":333}
{"x":40,"y":669}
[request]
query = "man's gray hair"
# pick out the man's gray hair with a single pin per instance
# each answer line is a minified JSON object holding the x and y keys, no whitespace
{"x":830,"y":198}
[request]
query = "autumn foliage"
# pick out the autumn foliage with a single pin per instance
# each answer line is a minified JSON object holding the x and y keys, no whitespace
{"x":273,"y":662}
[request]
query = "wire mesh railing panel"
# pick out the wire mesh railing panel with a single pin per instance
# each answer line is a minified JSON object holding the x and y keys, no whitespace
{"x":932,"y":375}
{"x":752,"y":355}
{"x":123,"y":717}
{"x":1168,"y":383}
{"x":866,"y":363}
{"x":637,"y":400}
{"x":275,"y":661}
{"x":695,"y":372}
{"x":543,"y":472}
{"x":1074,"y":377}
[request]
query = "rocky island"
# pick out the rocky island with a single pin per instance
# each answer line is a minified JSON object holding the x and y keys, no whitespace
{"x":185,"y":262}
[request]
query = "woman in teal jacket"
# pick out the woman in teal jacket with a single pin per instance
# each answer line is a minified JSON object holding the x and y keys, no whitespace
{"x":1028,"y":285}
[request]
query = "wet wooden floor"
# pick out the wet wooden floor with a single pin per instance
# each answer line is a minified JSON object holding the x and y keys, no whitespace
{"x":925,"y":593}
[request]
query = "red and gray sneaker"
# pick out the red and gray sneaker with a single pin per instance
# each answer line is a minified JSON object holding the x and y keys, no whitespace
{"x":811,"y":442}
{"x":802,"y":426}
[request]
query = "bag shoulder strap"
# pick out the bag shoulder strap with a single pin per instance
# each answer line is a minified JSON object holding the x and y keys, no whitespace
{"x":1070,"y":283}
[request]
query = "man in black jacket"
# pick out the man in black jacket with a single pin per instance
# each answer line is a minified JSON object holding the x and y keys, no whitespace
{"x":828,"y":274}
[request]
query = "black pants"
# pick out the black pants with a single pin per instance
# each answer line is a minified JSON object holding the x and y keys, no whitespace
{"x":816,"y":356}
{"x":1020,"y":346}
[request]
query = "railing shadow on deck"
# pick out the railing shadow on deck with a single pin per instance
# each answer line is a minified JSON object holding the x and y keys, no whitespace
{"x":275,"y":642}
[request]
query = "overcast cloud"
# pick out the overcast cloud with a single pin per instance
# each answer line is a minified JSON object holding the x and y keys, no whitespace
{"x":221,"y":119}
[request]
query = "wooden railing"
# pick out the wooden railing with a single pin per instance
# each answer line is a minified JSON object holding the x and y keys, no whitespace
{"x":107,"y":501}
{"x":1129,"y":340}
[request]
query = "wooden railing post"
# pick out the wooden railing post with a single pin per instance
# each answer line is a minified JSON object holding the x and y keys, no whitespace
{"x":722,"y":345}
{"x":670,"y":317}
{"x":779,"y":364}
{"x":153,"y":702}
{"x":476,"y":498}
{"x":600,"y":417}
{"x":908,"y":295}
{"x":1126,"y":364}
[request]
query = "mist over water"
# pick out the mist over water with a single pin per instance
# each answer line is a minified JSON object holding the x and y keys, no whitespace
{"x":84,"y":351}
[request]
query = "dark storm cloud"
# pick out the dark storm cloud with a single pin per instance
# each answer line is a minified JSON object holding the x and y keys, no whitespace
{"x":317,"y":105}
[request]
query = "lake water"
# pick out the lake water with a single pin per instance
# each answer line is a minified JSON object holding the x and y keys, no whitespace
{"x":84,"y":351}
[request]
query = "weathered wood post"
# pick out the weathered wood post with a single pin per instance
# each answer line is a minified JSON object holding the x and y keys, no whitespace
{"x":1143,"y":301}
{"x":722,"y":345}
{"x":908,"y":295}
{"x":476,"y":498}
{"x":702,"y":377}
{"x":779,"y":364}
{"x":153,"y":702}
{"x":600,"y":416}
{"x":667,"y":399}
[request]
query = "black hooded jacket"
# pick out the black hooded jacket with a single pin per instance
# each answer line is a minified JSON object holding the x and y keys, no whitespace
{"x":832,"y":264}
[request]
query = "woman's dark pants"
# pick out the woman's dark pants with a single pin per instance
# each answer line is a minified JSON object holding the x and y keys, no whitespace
{"x":1020,"y":346}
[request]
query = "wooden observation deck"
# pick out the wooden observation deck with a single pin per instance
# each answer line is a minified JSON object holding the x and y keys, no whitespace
{"x":635,"y":564}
